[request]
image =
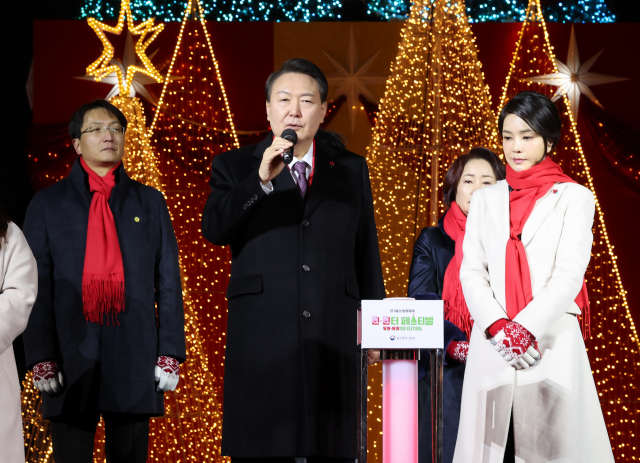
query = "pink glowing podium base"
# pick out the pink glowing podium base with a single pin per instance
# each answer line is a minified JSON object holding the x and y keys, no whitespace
{"x":400,"y":411}
{"x":400,"y":327}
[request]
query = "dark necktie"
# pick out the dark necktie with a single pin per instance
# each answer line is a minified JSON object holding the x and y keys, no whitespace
{"x":301,"y":169}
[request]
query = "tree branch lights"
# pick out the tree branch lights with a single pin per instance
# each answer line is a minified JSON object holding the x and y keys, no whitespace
{"x":436,"y":107}
{"x":614,"y":345}
{"x":103,"y":66}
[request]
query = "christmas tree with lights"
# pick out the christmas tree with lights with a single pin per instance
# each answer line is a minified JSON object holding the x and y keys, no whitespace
{"x":436,"y":107}
{"x":192,"y":123}
{"x":613,"y":345}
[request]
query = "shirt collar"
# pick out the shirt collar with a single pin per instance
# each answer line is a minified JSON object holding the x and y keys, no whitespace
{"x":308,"y":157}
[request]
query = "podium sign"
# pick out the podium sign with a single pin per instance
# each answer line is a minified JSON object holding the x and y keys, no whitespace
{"x":402,"y":324}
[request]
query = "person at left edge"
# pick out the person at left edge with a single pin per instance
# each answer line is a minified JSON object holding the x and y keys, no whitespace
{"x":107,"y":257}
{"x":304,"y":252}
{"x":18,"y":289}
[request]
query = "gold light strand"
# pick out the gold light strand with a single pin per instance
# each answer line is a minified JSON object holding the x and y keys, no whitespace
{"x":613,"y":347}
{"x":37,"y":437}
{"x":139,"y":159}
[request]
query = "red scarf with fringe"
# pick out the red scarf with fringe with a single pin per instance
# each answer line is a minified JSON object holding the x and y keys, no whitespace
{"x":529,"y":186}
{"x":103,"y":274}
{"x":455,"y":307}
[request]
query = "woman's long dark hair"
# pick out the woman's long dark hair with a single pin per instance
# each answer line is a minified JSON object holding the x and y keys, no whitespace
{"x":4,"y":225}
{"x":451,"y":180}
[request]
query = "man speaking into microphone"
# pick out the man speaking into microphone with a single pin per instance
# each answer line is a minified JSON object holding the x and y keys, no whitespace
{"x":304,"y":253}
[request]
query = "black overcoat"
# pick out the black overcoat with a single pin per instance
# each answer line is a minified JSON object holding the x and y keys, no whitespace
{"x":299,"y":270}
{"x":107,"y":367}
{"x":432,"y":253}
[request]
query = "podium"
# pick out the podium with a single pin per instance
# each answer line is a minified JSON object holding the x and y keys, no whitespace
{"x":400,"y":327}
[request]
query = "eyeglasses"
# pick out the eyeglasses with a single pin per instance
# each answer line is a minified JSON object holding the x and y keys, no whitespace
{"x":118,"y":130}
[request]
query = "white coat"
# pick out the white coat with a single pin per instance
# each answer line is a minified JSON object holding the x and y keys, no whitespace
{"x":556,"y":412}
{"x":18,"y":290}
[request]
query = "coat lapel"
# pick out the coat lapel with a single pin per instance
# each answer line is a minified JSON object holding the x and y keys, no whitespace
{"x":543,"y":207}
{"x":323,"y":178}
{"x":498,"y":208}
{"x":283,"y":184}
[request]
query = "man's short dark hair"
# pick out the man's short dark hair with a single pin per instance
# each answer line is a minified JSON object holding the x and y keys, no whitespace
{"x":78,"y":118}
{"x":452,"y":178}
{"x":539,"y":112}
{"x":299,"y":66}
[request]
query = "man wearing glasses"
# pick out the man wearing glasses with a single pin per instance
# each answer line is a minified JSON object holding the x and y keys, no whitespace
{"x":106,"y":334}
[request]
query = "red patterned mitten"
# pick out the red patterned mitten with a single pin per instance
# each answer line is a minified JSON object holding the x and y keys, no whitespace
{"x":458,"y":351}
{"x":47,"y":377}
{"x":167,"y":373}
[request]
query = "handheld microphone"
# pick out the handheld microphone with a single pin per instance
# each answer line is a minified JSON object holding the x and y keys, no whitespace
{"x":292,"y":136}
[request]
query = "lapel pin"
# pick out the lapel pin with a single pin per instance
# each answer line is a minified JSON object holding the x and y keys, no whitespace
{"x":331,"y":163}
{"x":555,"y":191}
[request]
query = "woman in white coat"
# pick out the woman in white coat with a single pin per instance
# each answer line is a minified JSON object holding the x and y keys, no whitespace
{"x":18,"y":290}
{"x":529,"y":395}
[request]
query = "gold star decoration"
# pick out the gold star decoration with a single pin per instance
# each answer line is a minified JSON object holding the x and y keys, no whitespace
{"x":352,"y":79}
{"x":105,"y":65}
{"x":573,"y":78}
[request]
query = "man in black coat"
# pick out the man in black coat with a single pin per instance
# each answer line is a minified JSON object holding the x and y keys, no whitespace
{"x":304,"y":253}
{"x":116,"y":363}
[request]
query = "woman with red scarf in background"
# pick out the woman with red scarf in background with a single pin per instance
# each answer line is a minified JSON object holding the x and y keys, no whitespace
{"x":435,"y":271}
{"x":529,"y":395}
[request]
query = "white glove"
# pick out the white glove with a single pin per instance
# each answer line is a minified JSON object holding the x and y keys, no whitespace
{"x":516,"y":345}
{"x":167,"y":373}
{"x":48,"y":378}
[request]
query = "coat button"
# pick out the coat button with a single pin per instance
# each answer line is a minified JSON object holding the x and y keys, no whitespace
{"x":244,"y":206}
{"x":306,"y":268}
{"x":305,"y":223}
{"x":306,"y":314}
{"x":255,"y":197}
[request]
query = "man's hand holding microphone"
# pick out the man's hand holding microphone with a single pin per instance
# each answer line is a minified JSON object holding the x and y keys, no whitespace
{"x":277,"y":155}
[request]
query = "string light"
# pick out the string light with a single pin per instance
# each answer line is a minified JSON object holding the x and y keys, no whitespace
{"x":436,"y":107}
{"x":301,"y":10}
{"x":614,"y":346}
{"x":102,"y":67}
{"x":573,"y":11}
{"x":223,"y":10}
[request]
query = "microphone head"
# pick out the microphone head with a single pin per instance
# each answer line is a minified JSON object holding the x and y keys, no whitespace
{"x":290,"y":134}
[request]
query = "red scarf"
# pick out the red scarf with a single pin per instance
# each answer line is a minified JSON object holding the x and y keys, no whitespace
{"x":529,"y":186}
{"x":103,"y":274}
{"x":455,"y":307}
